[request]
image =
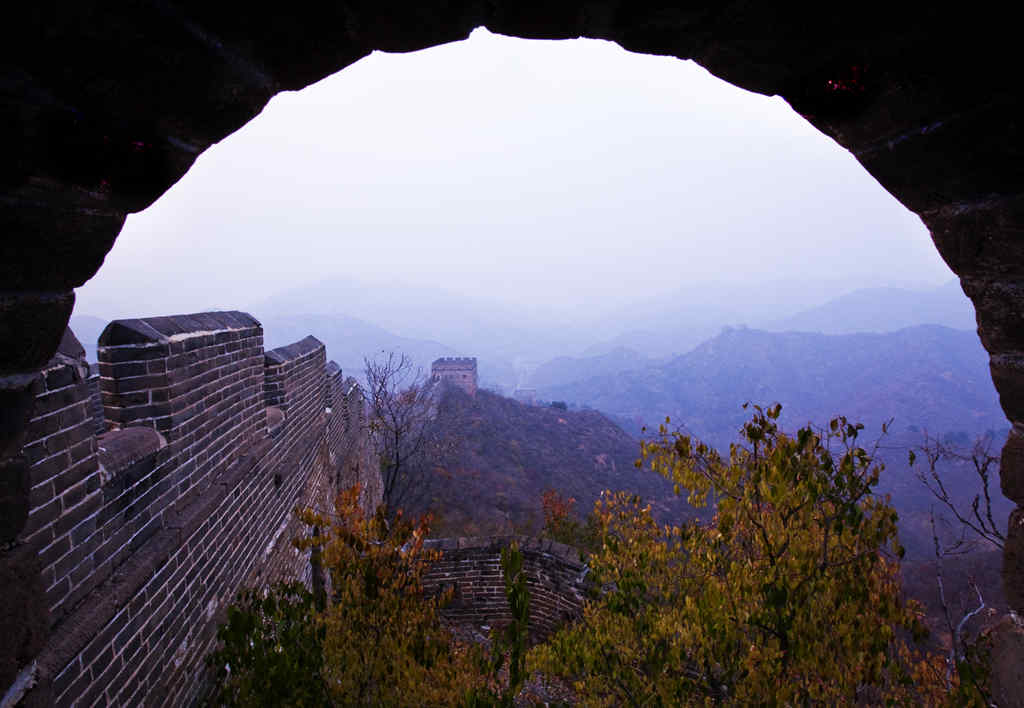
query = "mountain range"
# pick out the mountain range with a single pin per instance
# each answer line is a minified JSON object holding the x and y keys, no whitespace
{"x":884,"y":310}
{"x":925,"y":377}
{"x":676,"y":322}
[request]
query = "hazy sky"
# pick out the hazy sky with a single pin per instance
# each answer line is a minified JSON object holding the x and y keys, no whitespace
{"x":571,"y":172}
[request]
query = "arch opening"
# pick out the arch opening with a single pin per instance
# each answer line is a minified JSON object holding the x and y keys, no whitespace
{"x":929,"y":125}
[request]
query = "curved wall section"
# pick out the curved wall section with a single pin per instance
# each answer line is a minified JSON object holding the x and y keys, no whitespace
{"x":555,"y":575}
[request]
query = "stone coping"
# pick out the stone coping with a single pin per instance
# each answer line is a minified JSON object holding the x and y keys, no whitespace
{"x":497,"y":543}
{"x":163,"y":330}
{"x":119,"y":449}
{"x":293,"y":351}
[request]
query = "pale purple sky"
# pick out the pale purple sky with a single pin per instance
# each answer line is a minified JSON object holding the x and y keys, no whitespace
{"x":524,"y":171}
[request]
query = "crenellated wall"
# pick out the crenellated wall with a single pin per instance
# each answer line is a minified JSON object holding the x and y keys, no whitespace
{"x":65,"y":484}
{"x":143,"y":534}
{"x":456,"y":371}
{"x":927,"y":101}
{"x":354,"y":459}
{"x":556,"y":576}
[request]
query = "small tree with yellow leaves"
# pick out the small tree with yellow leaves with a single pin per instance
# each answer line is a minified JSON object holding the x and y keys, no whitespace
{"x":383,"y":642}
{"x":790,"y":596}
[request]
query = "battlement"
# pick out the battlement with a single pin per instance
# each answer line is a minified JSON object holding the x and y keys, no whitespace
{"x":556,"y":575}
{"x":457,"y":371}
{"x":145,"y":532}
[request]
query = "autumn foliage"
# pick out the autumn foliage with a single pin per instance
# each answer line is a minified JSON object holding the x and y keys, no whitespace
{"x":378,"y":638}
{"x":790,"y":596}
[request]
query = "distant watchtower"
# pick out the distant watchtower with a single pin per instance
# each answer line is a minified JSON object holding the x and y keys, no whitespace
{"x":458,"y":371}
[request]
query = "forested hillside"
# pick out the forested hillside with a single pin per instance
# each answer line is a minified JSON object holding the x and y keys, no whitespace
{"x":510,"y":453}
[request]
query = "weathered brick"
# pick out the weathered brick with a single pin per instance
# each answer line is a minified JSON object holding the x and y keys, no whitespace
{"x":218,"y":410}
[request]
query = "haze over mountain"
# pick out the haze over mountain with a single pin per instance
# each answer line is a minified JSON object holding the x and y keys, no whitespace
{"x":561,"y":177}
{"x":884,"y":310}
{"x":478,"y":326}
{"x":565,"y":369}
{"x":676,"y":322}
{"x":349,"y":340}
{"x":88,"y":330}
{"x":927,"y":376}
{"x":524,"y":346}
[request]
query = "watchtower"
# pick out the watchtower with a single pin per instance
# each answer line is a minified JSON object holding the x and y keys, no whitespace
{"x":458,"y":371}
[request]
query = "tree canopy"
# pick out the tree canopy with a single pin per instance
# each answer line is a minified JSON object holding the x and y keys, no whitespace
{"x":791,"y":595}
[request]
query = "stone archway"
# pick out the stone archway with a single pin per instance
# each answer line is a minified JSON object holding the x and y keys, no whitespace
{"x":105,"y":105}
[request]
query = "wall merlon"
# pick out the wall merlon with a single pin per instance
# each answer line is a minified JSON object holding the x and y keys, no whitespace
{"x":145,"y":532}
{"x":307,"y":346}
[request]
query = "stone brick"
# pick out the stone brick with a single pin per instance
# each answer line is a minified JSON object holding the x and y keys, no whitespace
{"x":1007,"y":642}
{"x":1013,"y":562}
{"x":1008,"y":376}
{"x":37,"y":321}
{"x":221,"y":522}
{"x":1011,"y":468}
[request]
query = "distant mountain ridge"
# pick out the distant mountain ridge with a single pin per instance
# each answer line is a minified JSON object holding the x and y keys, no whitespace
{"x":673,"y":325}
{"x":884,"y":310}
{"x":349,"y":340}
{"x":565,"y":369}
{"x":926,"y":376}
{"x":490,"y":329}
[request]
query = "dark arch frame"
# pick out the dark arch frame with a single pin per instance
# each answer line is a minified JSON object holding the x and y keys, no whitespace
{"x":107,"y":104}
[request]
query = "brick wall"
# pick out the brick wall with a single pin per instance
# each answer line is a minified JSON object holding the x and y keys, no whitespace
{"x":297,"y":376}
{"x":295,"y":380}
{"x":147,"y":532}
{"x":456,"y":371}
{"x":555,"y":576}
{"x":96,"y":400}
{"x":354,"y":459}
{"x":197,"y":379}
{"x":65,"y":485}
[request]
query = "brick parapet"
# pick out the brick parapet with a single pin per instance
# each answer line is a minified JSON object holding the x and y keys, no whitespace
{"x":65,"y":492}
{"x":348,"y":444}
{"x":295,"y":379}
{"x":556,"y":576}
{"x":172,"y":519}
{"x":96,"y":400}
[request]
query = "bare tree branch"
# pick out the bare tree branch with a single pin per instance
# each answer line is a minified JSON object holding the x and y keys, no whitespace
{"x":980,"y":519}
{"x":401,"y":426}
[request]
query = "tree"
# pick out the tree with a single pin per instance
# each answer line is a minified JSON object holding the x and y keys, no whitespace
{"x":271,"y":650}
{"x":508,"y":645}
{"x":791,"y":595}
{"x":383,"y":641}
{"x":982,"y":523}
{"x":563,"y":525}
{"x":404,"y":429}
{"x":379,"y":640}
{"x":979,"y":527}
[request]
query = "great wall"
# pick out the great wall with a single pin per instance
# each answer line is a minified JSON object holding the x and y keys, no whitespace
{"x":456,"y":371}
{"x":110,"y":104}
{"x":556,"y":576}
{"x":166,"y":481}
{"x":142,"y":534}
